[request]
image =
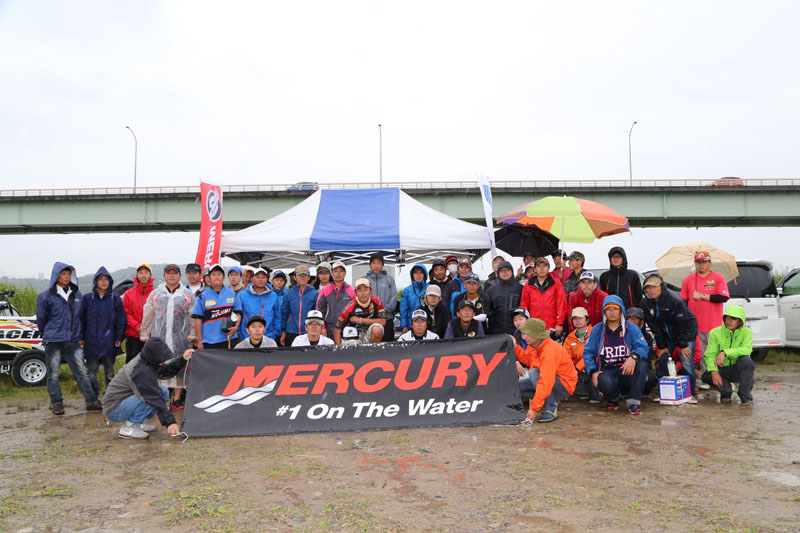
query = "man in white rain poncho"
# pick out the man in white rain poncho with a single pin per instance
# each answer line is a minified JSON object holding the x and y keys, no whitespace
{"x":168,"y":315}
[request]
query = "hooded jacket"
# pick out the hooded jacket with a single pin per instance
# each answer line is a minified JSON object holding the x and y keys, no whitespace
{"x":168,"y":315}
{"x":140,"y":378}
{"x":669,"y":319}
{"x":385,"y":289}
{"x":632,"y":338}
{"x":548,"y":303}
{"x":59,"y":319}
{"x":134,"y":300}
{"x":553,"y":361}
{"x":593,"y":304}
{"x":622,"y":281}
{"x":295,"y":308}
{"x":502,"y":298}
{"x":737,"y":343}
{"x":102,"y":319}
{"x":267,"y":304}
{"x":413,"y":296}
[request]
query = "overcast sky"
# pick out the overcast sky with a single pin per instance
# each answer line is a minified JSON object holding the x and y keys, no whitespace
{"x":271,"y":92}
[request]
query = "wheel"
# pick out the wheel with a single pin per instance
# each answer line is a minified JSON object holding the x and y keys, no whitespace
{"x":759,"y":354}
{"x":30,"y":369}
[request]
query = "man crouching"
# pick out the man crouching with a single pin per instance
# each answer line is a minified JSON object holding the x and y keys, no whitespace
{"x":134,"y":395}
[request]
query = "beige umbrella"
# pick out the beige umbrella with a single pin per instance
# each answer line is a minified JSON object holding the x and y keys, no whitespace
{"x":678,"y":262}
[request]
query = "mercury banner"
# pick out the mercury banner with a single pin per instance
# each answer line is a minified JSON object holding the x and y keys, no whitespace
{"x":462,"y":382}
{"x":210,"y":224}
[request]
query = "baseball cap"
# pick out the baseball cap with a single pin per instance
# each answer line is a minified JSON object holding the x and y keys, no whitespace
{"x":172,"y":266}
{"x":143,"y":265}
{"x":301,"y":269}
{"x":464,"y":303}
{"x":702,"y":255}
{"x":419,"y":313}
{"x":580,"y":311}
{"x":472,"y":277}
{"x":235,"y":269}
{"x":338,"y":264}
{"x":541,"y":259}
{"x":256,"y":318}
{"x":520,"y":311}
{"x":504,"y":264}
{"x":450,"y":258}
{"x":278,"y":274}
{"x":324,"y":266}
{"x":465,"y":261}
{"x":363,"y":281}
{"x":635,"y":312}
{"x":315,"y":316}
{"x":193,"y":267}
{"x":577,"y":255}
{"x":653,"y":280}
{"x":612,"y":304}
{"x":216,"y":266}
{"x":434,"y":289}
{"x":587,"y":275}
{"x":260,"y":270}
{"x":438,"y":262}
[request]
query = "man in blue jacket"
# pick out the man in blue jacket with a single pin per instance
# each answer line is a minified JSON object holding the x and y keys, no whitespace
{"x":300,"y":299}
{"x":413,"y":295}
{"x":58,"y":317}
{"x":103,"y":322}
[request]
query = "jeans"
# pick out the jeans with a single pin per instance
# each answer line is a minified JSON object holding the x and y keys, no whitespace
{"x":72,"y":354}
{"x":686,"y":362}
{"x":93,"y":363}
{"x":527,"y":388}
{"x":612,"y":383}
{"x":133,"y":345}
{"x":742,"y":372}
{"x":135,"y":410}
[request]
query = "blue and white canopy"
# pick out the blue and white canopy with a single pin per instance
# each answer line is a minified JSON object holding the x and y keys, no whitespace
{"x":349,"y":225}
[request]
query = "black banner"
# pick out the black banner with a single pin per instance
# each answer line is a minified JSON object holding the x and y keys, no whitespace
{"x":351,"y":388}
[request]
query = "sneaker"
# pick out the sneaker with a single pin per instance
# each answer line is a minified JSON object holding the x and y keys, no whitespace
{"x":613,"y":406}
{"x":547,"y":416}
{"x":703,"y":386}
{"x":635,"y":409}
{"x":747,"y":403}
{"x":133,"y":432}
{"x":593,"y":401}
{"x":692,"y":399}
{"x":725,"y":399}
{"x":57,"y":408}
{"x":146,"y":426}
{"x":94,"y":406}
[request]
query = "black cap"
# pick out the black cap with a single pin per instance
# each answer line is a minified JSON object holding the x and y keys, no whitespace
{"x":472,"y":276}
{"x":172,"y":266}
{"x":635,"y":312}
{"x":438,"y":262}
{"x":256,"y":318}
{"x":463,"y":303}
{"x":504,"y":264}
{"x":520,"y":311}
{"x":193,"y":267}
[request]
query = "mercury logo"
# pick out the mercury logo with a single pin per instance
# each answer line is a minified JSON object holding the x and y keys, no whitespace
{"x":213,"y":205}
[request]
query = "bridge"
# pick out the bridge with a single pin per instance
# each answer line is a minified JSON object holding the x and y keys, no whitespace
{"x":646,"y":203}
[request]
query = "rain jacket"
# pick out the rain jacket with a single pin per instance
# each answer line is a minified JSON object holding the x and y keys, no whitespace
{"x":737,"y":343}
{"x":552,"y":360}
{"x":134,"y":300}
{"x":622,"y":281}
{"x":102,"y":319}
{"x":295,"y":308}
{"x":572,"y":282}
{"x":168,"y":315}
{"x":549,"y":304}
{"x":332,"y":301}
{"x":413,"y":296}
{"x":593,"y":304}
{"x":450,"y":289}
{"x":574,"y":347}
{"x":632,"y":338}
{"x":385,"y":289}
{"x":267,"y":304}
{"x":437,"y":318}
{"x":140,"y":378}
{"x":280,"y":294}
{"x":669,"y":319}
{"x":59,"y":319}
{"x":502,"y":298}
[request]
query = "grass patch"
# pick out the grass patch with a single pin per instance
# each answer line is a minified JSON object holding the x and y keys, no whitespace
{"x":199,"y":503}
{"x":781,"y":355}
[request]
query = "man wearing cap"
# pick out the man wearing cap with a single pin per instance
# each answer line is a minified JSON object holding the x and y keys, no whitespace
{"x":456,"y":285}
{"x":464,"y":324}
{"x":436,"y":311}
{"x":333,"y":298}
{"x":588,"y":296}
{"x":413,"y":295}
{"x":194,"y":279}
{"x":438,"y":273}
{"x":295,"y":307}
{"x":256,"y":335}
{"x":616,"y":357}
{"x":501,"y":298}
{"x":213,"y":310}
{"x":491,"y":279}
{"x":419,"y":329}
{"x":133,"y":301}
{"x":561,"y":271}
{"x":474,"y":293}
{"x":385,"y":289}
{"x":705,"y":291}
{"x":574,"y":344}
{"x":673,"y":326}
{"x":518,"y":316}
{"x":550,"y":376}
{"x":451,"y":265}
{"x":315,"y":327}
{"x":620,"y":280}
{"x":279,"y":281}
{"x":323,"y":276}
{"x":528,"y":272}
{"x":258,"y":299}
{"x":544,"y":297}
{"x":235,"y":279}
{"x":365,"y":313}
{"x":168,"y":315}
{"x":576,"y":260}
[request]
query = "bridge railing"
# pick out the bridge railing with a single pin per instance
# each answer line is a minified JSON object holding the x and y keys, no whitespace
{"x":410,"y":186}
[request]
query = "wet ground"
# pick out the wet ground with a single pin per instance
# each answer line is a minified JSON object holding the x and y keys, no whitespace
{"x":705,"y":467}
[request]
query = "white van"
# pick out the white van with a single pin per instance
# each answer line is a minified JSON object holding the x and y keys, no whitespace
{"x":789,"y":303}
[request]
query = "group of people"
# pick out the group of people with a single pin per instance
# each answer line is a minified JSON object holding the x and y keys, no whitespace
{"x":573,"y":333}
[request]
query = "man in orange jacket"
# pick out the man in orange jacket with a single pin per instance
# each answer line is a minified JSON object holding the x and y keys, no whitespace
{"x":551,"y":377}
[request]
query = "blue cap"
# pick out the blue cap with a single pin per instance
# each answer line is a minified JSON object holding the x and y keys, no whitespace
{"x":235,"y":269}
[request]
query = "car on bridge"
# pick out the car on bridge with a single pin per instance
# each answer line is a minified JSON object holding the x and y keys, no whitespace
{"x":727,"y":182}
{"x":309,"y":186}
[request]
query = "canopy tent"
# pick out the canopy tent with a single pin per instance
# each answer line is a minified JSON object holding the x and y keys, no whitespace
{"x":350,"y":225}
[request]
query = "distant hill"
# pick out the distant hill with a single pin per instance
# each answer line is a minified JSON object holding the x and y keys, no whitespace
{"x":85,"y":282}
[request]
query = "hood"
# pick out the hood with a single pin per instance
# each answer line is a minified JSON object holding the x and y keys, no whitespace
{"x":424,"y":271}
{"x":57,"y":268}
{"x":156,"y":351}
{"x":614,"y":299}
{"x":618,"y":250}
{"x":102,"y":272}
{"x":252,"y":290}
{"x":735,"y":311}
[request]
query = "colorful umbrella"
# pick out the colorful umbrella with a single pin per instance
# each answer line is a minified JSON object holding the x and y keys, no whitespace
{"x":568,"y":218}
{"x":678,"y":262}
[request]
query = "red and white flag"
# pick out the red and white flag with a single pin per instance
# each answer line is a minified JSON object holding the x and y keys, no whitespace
{"x":210,"y":224}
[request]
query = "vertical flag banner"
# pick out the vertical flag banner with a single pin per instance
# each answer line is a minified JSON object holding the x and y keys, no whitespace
{"x":486,"y":196}
{"x":210,"y":224}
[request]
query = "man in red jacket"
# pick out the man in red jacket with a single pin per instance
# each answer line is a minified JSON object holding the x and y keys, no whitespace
{"x":133,"y":301}
{"x":588,"y":296}
{"x":544,"y":297}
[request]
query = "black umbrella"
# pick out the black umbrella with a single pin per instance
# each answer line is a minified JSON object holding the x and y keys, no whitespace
{"x":516,"y":240}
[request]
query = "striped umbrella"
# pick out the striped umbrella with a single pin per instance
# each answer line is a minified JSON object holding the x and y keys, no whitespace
{"x":568,"y":218}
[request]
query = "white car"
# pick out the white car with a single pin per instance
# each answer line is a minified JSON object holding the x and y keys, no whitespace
{"x":789,"y":304}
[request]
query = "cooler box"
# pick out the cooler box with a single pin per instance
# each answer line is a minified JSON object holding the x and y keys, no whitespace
{"x":674,"y":391}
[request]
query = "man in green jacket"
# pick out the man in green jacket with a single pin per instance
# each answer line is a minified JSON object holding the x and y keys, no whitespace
{"x":728,"y":357}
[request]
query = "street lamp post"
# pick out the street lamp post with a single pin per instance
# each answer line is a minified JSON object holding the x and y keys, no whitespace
{"x":135,"y":155}
{"x":380,"y":154}
{"x":630,"y":159}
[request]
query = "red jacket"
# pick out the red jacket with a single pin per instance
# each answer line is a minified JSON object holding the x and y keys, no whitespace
{"x":593,"y":304}
{"x":550,"y":305}
{"x":133,"y":301}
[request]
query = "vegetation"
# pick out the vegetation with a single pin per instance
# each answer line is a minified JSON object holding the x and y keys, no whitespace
{"x":24,"y":298}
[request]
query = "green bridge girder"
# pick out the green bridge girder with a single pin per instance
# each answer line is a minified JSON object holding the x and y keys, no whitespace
{"x":767,"y":206}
